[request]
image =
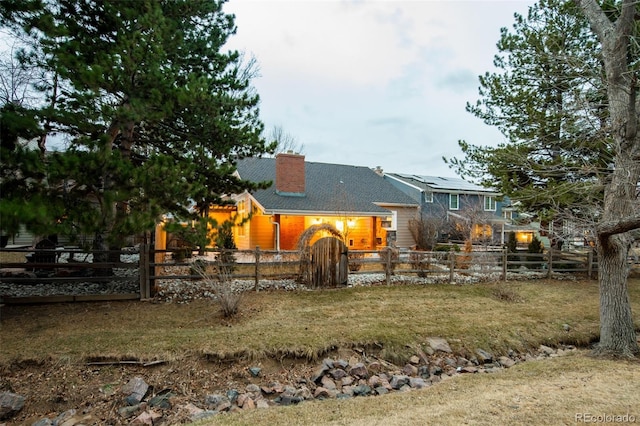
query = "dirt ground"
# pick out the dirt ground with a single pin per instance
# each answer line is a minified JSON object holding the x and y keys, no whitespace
{"x":94,"y":390}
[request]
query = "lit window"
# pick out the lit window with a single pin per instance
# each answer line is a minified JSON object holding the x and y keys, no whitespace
{"x":454,"y":201}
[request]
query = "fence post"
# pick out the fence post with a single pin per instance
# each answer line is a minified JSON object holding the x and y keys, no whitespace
{"x":143,"y":268}
{"x":452,"y":265}
{"x":504,"y":264}
{"x":257,"y":266}
{"x":590,"y":263}
{"x":550,"y":263}
{"x":388,"y":268}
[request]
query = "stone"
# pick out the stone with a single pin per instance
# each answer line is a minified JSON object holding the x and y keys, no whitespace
{"x":321,"y":392}
{"x":381,"y":390}
{"x":162,"y":400}
{"x":375,"y":367}
{"x":483,"y":356}
{"x":253,"y":388}
{"x":415,"y":360}
{"x":215,"y":400}
{"x":135,"y":390}
{"x":347,"y":381}
{"x":43,"y":422}
{"x":303,"y":393}
{"x":255,"y":371}
{"x":327,"y":364}
{"x":359,"y":370}
{"x":232,"y":395}
{"x":147,"y":418}
{"x":249,"y":404}
{"x":337,"y":373}
{"x":546,"y":350}
{"x":398,"y":380}
{"x":468,"y":369}
{"x":319,"y":373}
{"x":262,"y":404}
{"x":423,"y":371}
{"x":63,"y":417}
{"x":410,"y":370}
{"x":328,"y":383}
{"x":10,"y":404}
{"x":362,"y":390}
{"x":417,"y":383}
{"x":506,"y":362}
{"x":341,"y":363}
{"x":438,"y":344}
{"x":566,"y":327}
{"x":288,"y":400}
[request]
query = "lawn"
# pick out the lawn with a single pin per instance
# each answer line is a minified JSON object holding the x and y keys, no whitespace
{"x":287,"y":328}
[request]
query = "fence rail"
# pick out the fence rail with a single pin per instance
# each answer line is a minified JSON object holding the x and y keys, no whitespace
{"x":148,"y":268}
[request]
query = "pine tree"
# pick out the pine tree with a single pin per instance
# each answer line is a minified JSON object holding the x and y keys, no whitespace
{"x":155,"y":109}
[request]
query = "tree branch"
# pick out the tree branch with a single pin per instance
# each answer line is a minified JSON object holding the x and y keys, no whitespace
{"x":600,"y":24}
{"x":607,"y":229}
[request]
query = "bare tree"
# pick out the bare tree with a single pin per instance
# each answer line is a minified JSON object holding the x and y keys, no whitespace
{"x":621,"y":213}
{"x":284,"y":141}
{"x":17,"y":79}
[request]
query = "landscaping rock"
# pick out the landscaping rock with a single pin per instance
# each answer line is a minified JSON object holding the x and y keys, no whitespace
{"x":135,"y":390}
{"x":438,"y":344}
{"x":10,"y":404}
{"x":483,"y":356}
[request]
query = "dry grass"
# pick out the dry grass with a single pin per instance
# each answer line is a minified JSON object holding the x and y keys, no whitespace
{"x":308,"y":324}
{"x":389,"y":320}
{"x":552,"y":391}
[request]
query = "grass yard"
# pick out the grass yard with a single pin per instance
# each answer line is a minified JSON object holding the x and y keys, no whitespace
{"x":287,"y":330}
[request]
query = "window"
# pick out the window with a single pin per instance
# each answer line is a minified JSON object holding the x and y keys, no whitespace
{"x":489,"y":204}
{"x":390,"y":223}
{"x":454,"y":201}
{"x":428,"y":197}
{"x":507,"y":214}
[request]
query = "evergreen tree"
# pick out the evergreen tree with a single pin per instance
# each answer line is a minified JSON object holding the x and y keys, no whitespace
{"x":566,"y":101}
{"x":155,"y":110}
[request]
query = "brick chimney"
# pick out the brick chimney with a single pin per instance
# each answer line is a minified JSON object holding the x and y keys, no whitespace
{"x":290,"y":174}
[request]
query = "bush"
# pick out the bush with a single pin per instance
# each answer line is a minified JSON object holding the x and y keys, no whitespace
{"x":220,"y":283}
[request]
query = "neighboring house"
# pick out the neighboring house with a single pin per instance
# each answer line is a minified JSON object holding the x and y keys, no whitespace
{"x":369,"y":211}
{"x":486,"y":213}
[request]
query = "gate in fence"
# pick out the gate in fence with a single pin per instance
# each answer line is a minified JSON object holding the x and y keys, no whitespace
{"x":329,"y":264}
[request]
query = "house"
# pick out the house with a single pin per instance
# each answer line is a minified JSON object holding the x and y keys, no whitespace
{"x":477,"y":212}
{"x":367,"y":209}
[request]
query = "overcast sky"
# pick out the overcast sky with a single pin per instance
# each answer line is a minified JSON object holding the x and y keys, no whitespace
{"x":374,"y":83}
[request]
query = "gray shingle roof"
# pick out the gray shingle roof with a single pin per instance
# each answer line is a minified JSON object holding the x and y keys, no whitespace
{"x":329,"y":188}
{"x":441,"y":184}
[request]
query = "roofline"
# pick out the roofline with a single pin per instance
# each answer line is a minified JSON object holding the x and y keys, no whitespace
{"x":322,"y":213}
{"x":384,"y":204}
{"x":404,"y":182}
{"x":443,"y":190}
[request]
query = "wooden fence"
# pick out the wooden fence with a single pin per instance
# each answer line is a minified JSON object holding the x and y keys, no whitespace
{"x":149,"y":268}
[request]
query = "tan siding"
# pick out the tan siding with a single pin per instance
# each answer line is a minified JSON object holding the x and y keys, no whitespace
{"x":404,"y":237}
{"x":262,"y":233}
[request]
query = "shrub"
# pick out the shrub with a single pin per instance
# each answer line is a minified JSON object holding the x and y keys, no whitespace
{"x":219,"y":280}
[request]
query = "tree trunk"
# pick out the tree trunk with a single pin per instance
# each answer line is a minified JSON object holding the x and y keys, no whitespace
{"x":617,"y":333}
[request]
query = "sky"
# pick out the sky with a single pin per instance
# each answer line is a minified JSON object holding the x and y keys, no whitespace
{"x":374,"y":83}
